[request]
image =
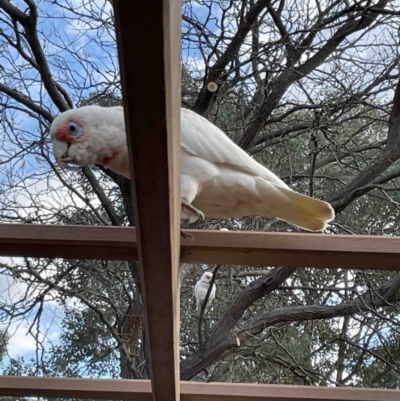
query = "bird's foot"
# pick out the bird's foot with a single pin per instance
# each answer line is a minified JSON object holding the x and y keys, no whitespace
{"x":62,"y":161}
{"x":186,"y":235}
{"x":186,"y":205}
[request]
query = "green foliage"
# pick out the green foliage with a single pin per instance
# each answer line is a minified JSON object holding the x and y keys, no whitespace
{"x":86,"y":347}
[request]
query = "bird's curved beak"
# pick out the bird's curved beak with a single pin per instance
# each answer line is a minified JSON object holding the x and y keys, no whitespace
{"x":60,"y":149}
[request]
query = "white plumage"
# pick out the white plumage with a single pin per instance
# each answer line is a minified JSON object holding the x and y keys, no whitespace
{"x":218,"y":178}
{"x":201,"y":288}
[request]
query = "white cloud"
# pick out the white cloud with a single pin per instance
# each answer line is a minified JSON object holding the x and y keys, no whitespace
{"x":20,"y":341}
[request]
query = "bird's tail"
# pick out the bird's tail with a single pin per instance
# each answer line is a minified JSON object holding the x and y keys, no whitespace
{"x":303,"y":211}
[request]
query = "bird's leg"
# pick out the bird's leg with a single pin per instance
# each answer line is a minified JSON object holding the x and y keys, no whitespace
{"x":188,"y":206}
{"x":186,"y":235}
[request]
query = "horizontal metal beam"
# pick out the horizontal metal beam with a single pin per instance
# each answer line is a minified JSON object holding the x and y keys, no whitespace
{"x":263,"y":392}
{"x":140,"y":390}
{"x":69,"y":242}
{"x":293,"y":250}
{"x":67,"y":387}
{"x":226,"y":247}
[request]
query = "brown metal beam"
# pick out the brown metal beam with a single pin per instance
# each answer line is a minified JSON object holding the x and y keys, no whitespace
{"x":148,"y":38}
{"x":69,"y":242}
{"x":263,"y":392}
{"x":293,"y":250}
{"x":236,"y":248}
{"x":67,"y":387}
{"x":140,"y":390}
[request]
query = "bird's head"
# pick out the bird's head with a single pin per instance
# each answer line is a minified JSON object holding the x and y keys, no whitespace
{"x":206,"y":278}
{"x":84,"y":136}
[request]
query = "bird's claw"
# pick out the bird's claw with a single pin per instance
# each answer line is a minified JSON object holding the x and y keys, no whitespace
{"x":186,"y":235}
{"x":186,"y":205}
{"x":62,"y":161}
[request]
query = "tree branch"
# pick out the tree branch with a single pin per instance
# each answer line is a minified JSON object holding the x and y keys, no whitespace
{"x":203,"y":307}
{"x":57,"y":94}
{"x":125,"y":188}
{"x":205,"y":97}
{"x":112,"y":214}
{"x":26,"y":101}
{"x":388,"y":156}
{"x":210,"y":352}
{"x":344,"y":154}
{"x":220,"y":346}
{"x":280,"y":84}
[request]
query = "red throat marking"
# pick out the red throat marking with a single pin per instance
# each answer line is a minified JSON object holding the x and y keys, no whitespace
{"x":106,"y":160}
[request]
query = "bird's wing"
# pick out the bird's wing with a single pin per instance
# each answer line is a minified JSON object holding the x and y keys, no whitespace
{"x":241,"y":187}
{"x":206,"y":141}
{"x":197,"y":288}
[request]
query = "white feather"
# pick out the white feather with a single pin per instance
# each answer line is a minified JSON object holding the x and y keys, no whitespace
{"x":201,"y":288}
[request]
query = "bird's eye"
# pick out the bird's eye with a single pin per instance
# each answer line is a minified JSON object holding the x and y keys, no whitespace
{"x":75,"y":129}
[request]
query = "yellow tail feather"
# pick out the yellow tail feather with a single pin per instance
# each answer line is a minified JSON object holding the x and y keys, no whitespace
{"x":306,"y":212}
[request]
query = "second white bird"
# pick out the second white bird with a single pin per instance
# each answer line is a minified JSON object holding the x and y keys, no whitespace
{"x":201,"y":288}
